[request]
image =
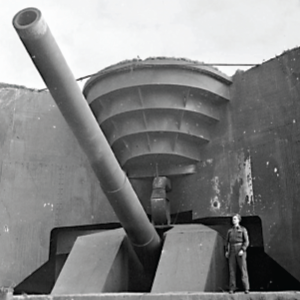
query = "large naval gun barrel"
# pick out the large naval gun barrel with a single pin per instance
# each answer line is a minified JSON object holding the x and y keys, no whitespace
{"x":49,"y":61}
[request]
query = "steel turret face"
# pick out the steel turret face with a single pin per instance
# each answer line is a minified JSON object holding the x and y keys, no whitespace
{"x":157,"y":113}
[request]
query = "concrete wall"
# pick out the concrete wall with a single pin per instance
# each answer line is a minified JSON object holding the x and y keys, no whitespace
{"x":266,"y":122}
{"x":251,"y":166}
{"x":45,"y":181}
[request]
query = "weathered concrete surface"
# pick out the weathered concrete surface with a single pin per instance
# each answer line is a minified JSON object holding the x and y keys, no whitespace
{"x":251,"y":165}
{"x":45,"y":182}
{"x":289,"y":295}
{"x":265,"y":124}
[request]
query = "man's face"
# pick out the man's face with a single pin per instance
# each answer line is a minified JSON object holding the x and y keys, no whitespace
{"x":235,"y":220}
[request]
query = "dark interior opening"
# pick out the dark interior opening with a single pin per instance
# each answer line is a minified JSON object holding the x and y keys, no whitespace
{"x":265,"y":274}
{"x":61,"y":242}
{"x":26,"y":18}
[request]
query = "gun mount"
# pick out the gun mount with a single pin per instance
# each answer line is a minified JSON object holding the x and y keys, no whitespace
{"x":175,"y":119}
{"x":47,"y":57}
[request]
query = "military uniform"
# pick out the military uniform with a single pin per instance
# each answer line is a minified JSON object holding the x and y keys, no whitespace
{"x":237,"y":239}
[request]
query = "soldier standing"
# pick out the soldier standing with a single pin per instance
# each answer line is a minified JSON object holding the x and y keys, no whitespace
{"x":237,"y":241}
{"x":160,"y":204}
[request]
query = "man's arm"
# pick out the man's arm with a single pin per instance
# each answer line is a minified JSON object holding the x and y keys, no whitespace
{"x":227,"y":245}
{"x":245,"y":239}
{"x":168,"y":185}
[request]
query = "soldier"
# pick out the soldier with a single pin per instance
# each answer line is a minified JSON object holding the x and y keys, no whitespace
{"x":237,"y":241}
{"x":160,"y":204}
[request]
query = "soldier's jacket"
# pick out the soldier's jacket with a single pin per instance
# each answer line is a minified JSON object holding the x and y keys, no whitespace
{"x":237,"y":235}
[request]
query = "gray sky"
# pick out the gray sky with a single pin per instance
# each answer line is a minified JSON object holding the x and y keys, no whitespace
{"x":94,"y":34}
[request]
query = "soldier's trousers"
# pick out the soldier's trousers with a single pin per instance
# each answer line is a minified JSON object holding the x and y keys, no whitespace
{"x":236,"y":261}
